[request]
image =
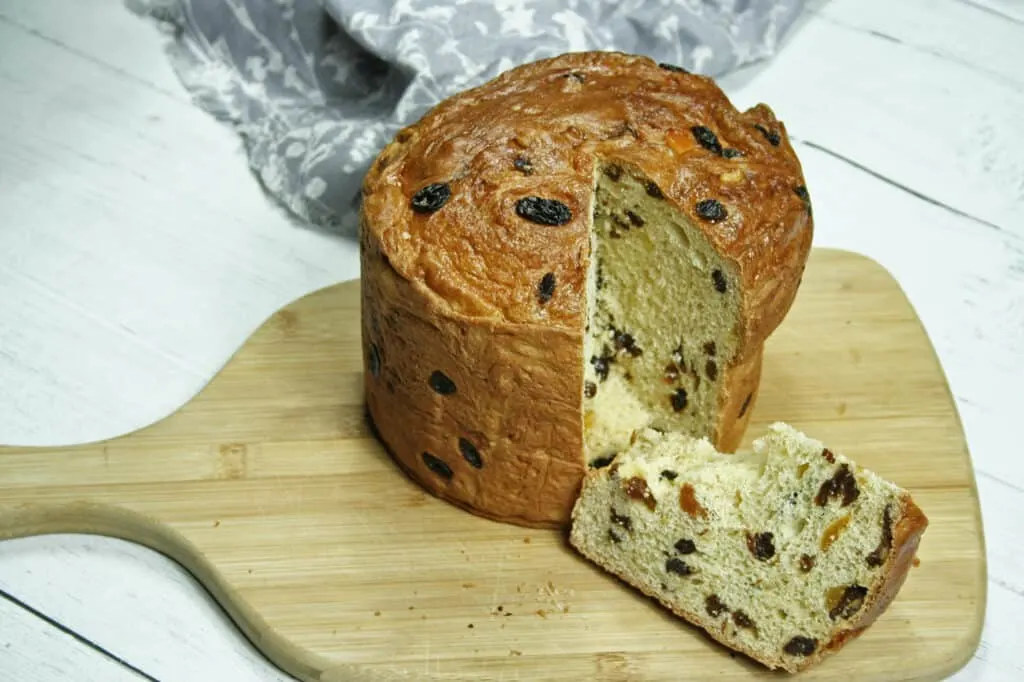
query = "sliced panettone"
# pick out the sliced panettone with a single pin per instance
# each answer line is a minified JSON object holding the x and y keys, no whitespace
{"x":583,"y":247}
{"x":784,"y":553}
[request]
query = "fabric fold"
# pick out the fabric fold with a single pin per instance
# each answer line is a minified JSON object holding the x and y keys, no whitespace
{"x":315,"y":88}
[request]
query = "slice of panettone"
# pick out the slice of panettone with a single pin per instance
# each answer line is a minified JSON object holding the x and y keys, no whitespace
{"x":784,"y":553}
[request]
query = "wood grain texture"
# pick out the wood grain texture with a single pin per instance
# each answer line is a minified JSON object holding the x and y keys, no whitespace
{"x":271,"y":491}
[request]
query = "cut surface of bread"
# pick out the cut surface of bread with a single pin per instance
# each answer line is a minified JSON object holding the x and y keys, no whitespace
{"x":663,"y":319}
{"x":784,"y":553}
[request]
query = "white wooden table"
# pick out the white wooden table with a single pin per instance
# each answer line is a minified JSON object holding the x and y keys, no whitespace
{"x":137,"y":253}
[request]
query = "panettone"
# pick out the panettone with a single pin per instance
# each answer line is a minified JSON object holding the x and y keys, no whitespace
{"x":785,"y":553}
{"x":582,"y":248}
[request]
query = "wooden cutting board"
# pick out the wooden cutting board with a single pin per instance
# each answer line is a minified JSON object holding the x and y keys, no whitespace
{"x":270,"y":489}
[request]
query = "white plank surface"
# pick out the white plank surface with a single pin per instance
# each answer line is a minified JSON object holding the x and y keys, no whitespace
{"x":137,"y":253}
{"x":34,"y":651}
{"x":137,"y":248}
{"x":163,"y":621}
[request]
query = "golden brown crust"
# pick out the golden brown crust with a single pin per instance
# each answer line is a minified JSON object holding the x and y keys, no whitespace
{"x":456,"y":289}
{"x":737,"y":400}
{"x":507,"y":384}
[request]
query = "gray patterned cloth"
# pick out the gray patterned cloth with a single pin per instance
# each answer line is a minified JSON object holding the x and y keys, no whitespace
{"x":315,"y":88}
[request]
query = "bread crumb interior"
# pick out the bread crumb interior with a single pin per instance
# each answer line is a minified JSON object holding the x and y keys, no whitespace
{"x":662,"y":319}
{"x":815,"y":556}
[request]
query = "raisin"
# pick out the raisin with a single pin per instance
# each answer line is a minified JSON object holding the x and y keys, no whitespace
{"x":678,"y":399}
{"x":634,"y":218}
{"x":711,"y":370}
{"x":710,"y":348}
{"x":845,"y":602}
{"x":805,"y":197}
{"x":688,"y":502}
{"x":761,"y":545}
{"x":470,"y":453}
{"x":625,"y":341}
{"x":653,"y":190}
{"x":746,"y":404}
{"x":436,"y":465}
{"x":685,"y":546}
{"x":613,"y":536}
{"x":601,"y":365}
{"x":678,"y":566}
{"x":742,"y":619}
{"x":714,"y":606}
{"x":706,"y":139}
{"x":669,"y":475}
{"x":731,"y":153}
{"x":373,"y":360}
{"x":622,"y":520}
{"x":806,"y":563}
{"x":772,"y":136}
{"x":829,"y":456}
{"x":636,"y":489}
{"x":881,"y":553}
{"x":431,"y":198}
{"x":672,"y":67}
{"x":543,"y":211}
{"x":671,"y":373}
{"x":523,"y":165}
{"x":613,"y":172}
{"x":718,"y":279}
{"x":711,"y":210}
{"x":601,"y":462}
{"x":546,"y":288}
{"x":800,"y":646}
{"x":841,"y":485}
{"x":589,"y":389}
{"x":440,"y":382}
